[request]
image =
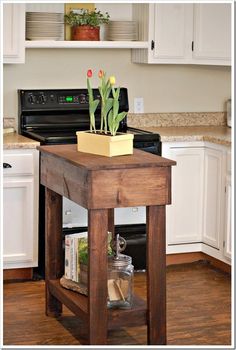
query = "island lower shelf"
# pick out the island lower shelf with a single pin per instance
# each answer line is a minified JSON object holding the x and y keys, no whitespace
{"x":78,"y":304}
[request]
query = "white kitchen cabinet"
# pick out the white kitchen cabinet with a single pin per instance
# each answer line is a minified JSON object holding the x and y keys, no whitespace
{"x":228,"y":208}
{"x":184,"y":33}
{"x":20,"y":208}
{"x":199,"y":218}
{"x":184,"y":216}
{"x":213,"y":195}
{"x":212,"y":32}
{"x":13,"y":33}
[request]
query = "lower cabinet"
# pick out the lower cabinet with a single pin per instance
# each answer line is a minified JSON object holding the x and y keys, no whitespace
{"x":184,"y":216}
{"x":228,"y":207}
{"x":213,"y":199}
{"x":199,"y":218}
{"x":20,"y":208}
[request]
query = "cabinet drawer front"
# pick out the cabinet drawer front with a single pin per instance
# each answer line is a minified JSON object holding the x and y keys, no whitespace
{"x":18,"y":164}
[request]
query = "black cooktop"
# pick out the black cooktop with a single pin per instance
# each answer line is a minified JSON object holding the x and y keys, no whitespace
{"x":53,"y":117}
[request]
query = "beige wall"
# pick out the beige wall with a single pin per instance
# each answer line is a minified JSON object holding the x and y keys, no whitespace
{"x":165,"y":88}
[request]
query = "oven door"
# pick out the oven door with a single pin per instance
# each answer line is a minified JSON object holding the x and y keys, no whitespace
{"x":76,"y":216}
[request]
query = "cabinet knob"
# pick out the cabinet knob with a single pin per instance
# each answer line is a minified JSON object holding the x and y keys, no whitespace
{"x":6,"y":165}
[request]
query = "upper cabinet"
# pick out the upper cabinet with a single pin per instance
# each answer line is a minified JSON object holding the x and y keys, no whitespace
{"x":211,"y":32}
{"x":174,"y":33}
{"x":184,"y":33}
{"x":13,"y":33}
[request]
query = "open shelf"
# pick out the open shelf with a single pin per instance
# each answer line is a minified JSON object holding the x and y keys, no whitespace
{"x":54,"y":44}
{"x":78,"y":304}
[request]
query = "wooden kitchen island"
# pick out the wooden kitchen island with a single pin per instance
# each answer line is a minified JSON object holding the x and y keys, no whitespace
{"x":101,"y":184}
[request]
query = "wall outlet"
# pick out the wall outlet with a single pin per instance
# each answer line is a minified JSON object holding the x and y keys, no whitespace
{"x":138,"y":105}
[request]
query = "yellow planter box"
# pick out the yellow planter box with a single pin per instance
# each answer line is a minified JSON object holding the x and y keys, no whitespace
{"x":104,"y":145}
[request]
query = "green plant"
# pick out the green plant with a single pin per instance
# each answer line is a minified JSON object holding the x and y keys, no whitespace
{"x":92,"y":103}
{"x":110,"y":116}
{"x":114,"y":118}
{"x":86,"y":18}
{"x":83,"y":248}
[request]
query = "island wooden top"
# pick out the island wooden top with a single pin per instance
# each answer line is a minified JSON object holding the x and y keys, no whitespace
{"x":97,"y":182}
{"x":94,"y":162}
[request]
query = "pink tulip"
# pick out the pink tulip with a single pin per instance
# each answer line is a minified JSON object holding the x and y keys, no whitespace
{"x":100,"y":74}
{"x":89,"y":73}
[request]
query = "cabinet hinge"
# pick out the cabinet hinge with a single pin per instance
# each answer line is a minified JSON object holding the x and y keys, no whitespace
{"x":223,"y":244}
{"x":152,"y":45}
{"x":225,"y":189}
{"x":192,"y":45}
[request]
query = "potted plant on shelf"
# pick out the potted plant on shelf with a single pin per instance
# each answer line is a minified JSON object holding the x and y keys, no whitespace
{"x":105,"y":141}
{"x":85,"y":24}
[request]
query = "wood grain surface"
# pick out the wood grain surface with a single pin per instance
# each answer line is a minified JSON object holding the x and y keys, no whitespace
{"x":54,"y":264}
{"x":94,"y":162}
{"x":198,"y":312}
{"x":143,"y":182}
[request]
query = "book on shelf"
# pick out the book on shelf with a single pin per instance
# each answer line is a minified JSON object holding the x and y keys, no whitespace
{"x":72,"y":243}
{"x":76,"y":254}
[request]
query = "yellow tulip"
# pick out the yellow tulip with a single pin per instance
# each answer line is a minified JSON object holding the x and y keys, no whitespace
{"x":112,"y":80}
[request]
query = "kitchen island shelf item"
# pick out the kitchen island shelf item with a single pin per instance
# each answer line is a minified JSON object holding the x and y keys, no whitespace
{"x":138,"y":179}
{"x":78,"y":304}
{"x":58,"y":44}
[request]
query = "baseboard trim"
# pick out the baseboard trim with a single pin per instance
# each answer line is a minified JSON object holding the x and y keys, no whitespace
{"x":17,"y":274}
{"x":218,"y":263}
{"x":184,"y":258}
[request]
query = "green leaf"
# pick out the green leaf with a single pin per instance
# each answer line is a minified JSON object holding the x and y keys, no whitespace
{"x":110,"y":120}
{"x":120,"y":116}
{"x":117,"y":93}
{"x":115,"y":107}
{"x":93,"y":106}
{"x":108,"y":105}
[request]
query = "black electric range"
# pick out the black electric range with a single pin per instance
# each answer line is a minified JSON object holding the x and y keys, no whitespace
{"x":52,"y":116}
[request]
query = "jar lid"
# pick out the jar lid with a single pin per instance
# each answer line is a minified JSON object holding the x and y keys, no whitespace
{"x":119,"y":261}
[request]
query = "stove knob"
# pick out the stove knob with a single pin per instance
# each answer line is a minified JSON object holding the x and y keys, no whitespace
{"x":42,"y":99}
{"x":32,"y":99}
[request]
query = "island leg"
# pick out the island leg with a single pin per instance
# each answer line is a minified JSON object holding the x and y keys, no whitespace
{"x":53,"y":248}
{"x":156,"y":275}
{"x":97,"y":276}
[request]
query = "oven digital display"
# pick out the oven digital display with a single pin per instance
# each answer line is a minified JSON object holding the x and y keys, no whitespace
{"x":69,"y":99}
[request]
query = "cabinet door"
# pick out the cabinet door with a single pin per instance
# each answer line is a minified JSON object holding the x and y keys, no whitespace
{"x":172,"y":32}
{"x":212,"y":33}
{"x":19,"y":231}
{"x":213,"y":196}
{"x":227,"y":238}
{"x":13,"y":33}
{"x":184,"y":216}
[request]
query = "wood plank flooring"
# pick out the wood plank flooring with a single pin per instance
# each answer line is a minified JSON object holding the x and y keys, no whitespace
{"x":198,"y":312}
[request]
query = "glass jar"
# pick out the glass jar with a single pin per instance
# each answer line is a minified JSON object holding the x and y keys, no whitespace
{"x":120,"y":282}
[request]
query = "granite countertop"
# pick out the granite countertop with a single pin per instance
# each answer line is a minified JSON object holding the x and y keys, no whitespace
{"x":14,"y":141}
{"x":216,"y":134}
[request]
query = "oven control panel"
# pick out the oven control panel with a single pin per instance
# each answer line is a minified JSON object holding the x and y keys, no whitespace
{"x":62,"y":99}
{"x":78,"y":99}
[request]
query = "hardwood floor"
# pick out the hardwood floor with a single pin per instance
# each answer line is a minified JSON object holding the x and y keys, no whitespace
{"x":198,"y":312}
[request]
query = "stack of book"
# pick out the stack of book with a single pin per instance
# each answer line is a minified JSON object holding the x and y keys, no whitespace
{"x":76,"y":252}
{"x":76,"y":256}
